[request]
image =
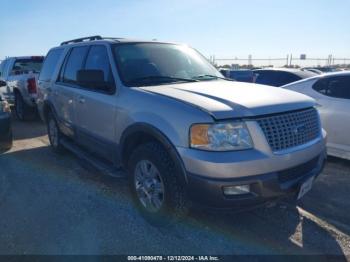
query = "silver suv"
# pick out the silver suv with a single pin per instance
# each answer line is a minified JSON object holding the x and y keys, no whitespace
{"x":183,"y":133}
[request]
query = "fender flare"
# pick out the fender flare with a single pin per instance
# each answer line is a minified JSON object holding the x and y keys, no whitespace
{"x":49,"y":105}
{"x":160,"y":137}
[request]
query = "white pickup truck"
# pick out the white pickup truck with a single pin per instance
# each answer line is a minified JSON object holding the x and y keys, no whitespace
{"x":20,"y":75}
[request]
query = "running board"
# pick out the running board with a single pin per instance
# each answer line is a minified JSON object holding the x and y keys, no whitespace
{"x":93,"y":161}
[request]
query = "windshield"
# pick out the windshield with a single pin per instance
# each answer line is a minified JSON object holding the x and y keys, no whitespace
{"x":143,"y":64}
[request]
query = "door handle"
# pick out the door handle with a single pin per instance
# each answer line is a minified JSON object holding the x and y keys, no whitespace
{"x":81,"y":100}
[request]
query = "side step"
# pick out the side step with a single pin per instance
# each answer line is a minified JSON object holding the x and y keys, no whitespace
{"x":94,"y":162}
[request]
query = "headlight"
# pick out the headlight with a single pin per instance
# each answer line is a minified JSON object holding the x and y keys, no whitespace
{"x":220,"y":137}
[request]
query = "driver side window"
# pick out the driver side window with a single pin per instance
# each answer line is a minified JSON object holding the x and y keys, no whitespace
{"x":338,"y":87}
{"x":98,"y":59}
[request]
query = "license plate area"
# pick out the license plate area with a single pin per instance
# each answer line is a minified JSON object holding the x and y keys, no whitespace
{"x":305,"y":187}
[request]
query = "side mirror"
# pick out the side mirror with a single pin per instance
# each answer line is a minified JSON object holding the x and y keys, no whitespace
{"x":2,"y":83}
{"x":91,"y":78}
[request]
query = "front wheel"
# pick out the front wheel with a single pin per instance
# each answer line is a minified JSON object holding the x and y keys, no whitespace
{"x":54,"y":133}
{"x":156,"y":185}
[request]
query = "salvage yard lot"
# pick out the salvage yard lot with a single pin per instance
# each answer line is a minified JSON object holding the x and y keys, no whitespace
{"x":51,"y":204}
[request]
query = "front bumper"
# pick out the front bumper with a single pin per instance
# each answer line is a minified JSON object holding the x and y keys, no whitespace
{"x":5,"y":131}
{"x":263,"y":188}
{"x":270,"y":175}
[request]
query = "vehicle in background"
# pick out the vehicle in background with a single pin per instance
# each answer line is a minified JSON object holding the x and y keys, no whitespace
{"x":5,"y":123}
{"x":179,"y":129}
{"x":280,"y":76}
{"x":240,"y":75}
{"x":332,"y":93}
{"x":20,"y":74}
{"x":313,"y":70}
{"x":326,"y":69}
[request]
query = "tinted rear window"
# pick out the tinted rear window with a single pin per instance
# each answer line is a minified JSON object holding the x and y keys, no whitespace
{"x":26,"y":65}
{"x":279,"y":78}
{"x":50,"y":64}
{"x":267,"y":77}
{"x":246,"y":76}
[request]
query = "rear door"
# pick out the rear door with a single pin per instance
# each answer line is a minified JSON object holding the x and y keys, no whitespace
{"x":49,"y":70}
{"x":333,"y":95}
{"x":96,"y":107}
{"x":66,"y":89}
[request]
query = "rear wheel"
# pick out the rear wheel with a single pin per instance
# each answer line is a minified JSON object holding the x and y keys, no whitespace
{"x":157,"y":188}
{"x":54,"y":133}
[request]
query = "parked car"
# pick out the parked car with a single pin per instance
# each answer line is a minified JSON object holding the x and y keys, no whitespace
{"x":241,"y":75}
{"x":313,"y":70}
{"x":5,"y":123}
{"x":332,"y":93}
{"x":182,"y":133}
{"x":20,"y":74}
{"x":326,"y":69}
{"x":280,"y":76}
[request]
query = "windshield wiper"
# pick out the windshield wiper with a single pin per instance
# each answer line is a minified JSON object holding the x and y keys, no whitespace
{"x":210,"y":77}
{"x":157,"y":79}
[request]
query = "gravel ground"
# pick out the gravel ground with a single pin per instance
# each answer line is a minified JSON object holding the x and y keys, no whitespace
{"x":50,"y":204}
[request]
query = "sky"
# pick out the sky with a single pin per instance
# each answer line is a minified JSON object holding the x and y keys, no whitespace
{"x":224,"y":28}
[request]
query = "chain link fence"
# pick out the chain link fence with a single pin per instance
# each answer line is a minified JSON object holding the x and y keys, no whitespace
{"x":287,"y":61}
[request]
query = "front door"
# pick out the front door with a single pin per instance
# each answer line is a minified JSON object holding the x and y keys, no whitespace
{"x":96,"y":108}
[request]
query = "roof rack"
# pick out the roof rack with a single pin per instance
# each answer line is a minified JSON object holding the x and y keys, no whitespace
{"x":88,"y":38}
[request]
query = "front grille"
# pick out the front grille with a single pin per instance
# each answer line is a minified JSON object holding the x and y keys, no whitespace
{"x":287,"y":130}
{"x":298,"y":171}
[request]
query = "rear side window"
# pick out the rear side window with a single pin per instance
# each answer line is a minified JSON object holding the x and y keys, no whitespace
{"x":50,"y":64}
{"x":266,"y":78}
{"x":338,"y":87}
{"x":275,"y":78}
{"x":321,"y":86}
{"x":74,"y":63}
{"x":286,"y":78}
{"x":98,"y":59}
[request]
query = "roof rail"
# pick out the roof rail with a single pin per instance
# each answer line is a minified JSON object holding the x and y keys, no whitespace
{"x":90,"y":38}
{"x":83,"y":39}
{"x":112,"y":38}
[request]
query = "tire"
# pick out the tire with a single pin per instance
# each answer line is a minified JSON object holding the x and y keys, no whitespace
{"x":22,"y":110}
{"x":54,"y":133}
{"x":174,"y":203}
{"x":6,"y":144}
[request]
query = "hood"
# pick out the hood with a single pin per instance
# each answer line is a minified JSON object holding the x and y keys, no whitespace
{"x":225,"y":99}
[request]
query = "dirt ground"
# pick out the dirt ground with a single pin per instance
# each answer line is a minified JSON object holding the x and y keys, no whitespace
{"x":51,"y":204}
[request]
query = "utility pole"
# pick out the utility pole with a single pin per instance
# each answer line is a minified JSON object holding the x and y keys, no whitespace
{"x":290,"y":61}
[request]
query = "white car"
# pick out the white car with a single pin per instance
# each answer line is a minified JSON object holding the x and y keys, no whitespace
{"x":332,"y":93}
